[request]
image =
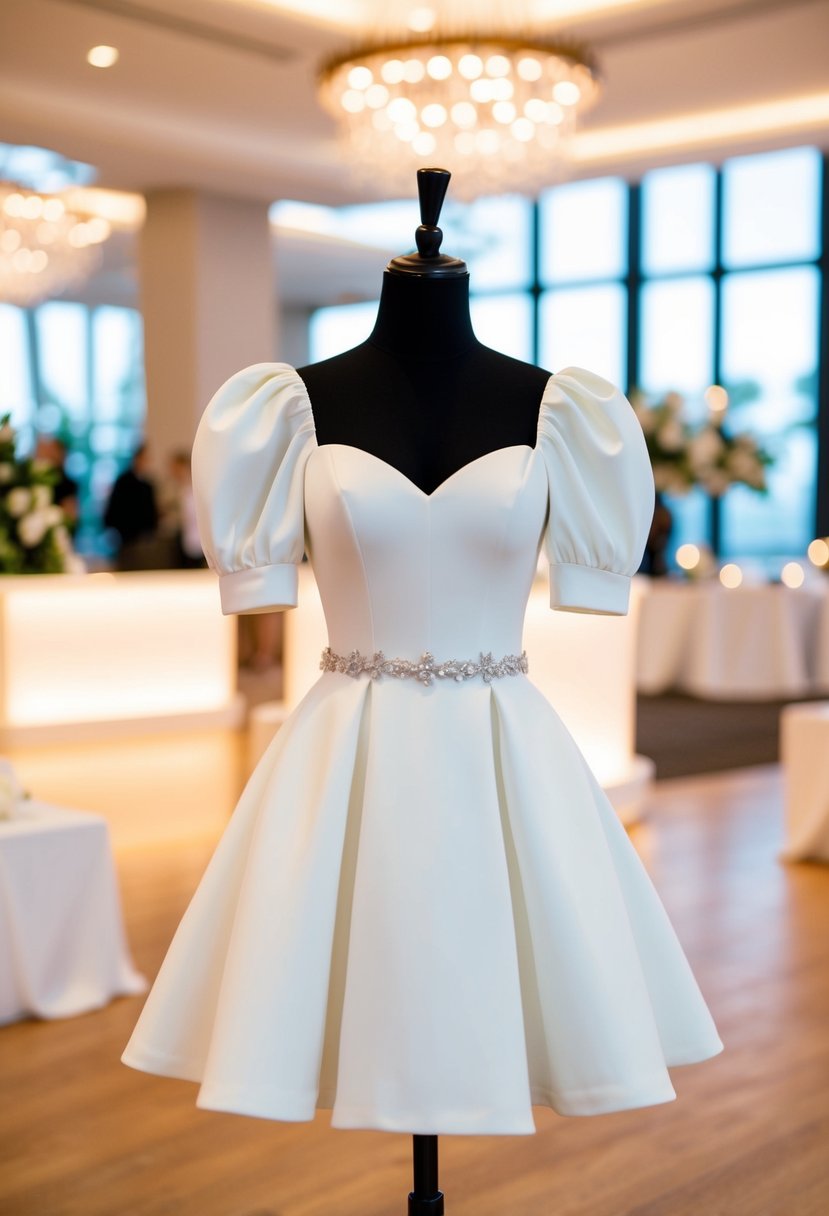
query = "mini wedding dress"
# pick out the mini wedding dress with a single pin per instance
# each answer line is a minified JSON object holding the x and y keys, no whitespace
{"x":424,"y":913}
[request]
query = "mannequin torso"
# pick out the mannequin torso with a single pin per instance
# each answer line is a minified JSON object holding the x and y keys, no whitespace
{"x":422,"y":393}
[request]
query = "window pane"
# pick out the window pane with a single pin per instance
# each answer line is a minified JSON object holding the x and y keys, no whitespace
{"x":691,"y":514}
{"x":118,"y":370}
{"x":676,"y":351}
{"x":585,"y":327}
{"x":504,"y":323}
{"x":62,"y":338}
{"x":771,"y":207}
{"x":492,"y":235}
{"x":338,"y":328}
{"x":769,"y":360}
{"x":678,"y":219}
{"x":583,"y":231}
{"x":15,"y":376}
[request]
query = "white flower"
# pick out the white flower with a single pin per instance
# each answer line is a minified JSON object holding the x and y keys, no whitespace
{"x":742,"y":465}
{"x":6,"y":471}
{"x":42,"y":496}
{"x":54,"y":515}
{"x":671,"y":435}
{"x":669,"y":480}
{"x":17,"y":501}
{"x":32,"y":528}
{"x":716,"y":481}
{"x":704,"y":448}
{"x":647,"y":419}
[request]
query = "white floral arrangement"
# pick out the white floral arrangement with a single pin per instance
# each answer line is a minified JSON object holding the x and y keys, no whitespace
{"x":12,"y":793}
{"x":709,"y":456}
{"x":34,"y":538}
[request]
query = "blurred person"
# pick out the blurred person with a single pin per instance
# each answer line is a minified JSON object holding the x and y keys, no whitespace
{"x":133,"y":514}
{"x":53,"y":452}
{"x":179,"y":515}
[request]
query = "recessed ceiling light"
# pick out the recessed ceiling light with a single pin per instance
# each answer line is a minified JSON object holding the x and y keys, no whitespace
{"x":102,"y":56}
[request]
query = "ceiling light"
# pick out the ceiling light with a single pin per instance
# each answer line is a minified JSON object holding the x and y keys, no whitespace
{"x":494,"y":101}
{"x":102,"y":56}
{"x":45,"y":245}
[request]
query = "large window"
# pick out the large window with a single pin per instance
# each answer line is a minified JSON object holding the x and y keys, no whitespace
{"x":693,"y":277}
{"x":77,"y":373}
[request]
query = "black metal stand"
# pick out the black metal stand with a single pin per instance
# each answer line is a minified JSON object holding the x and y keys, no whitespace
{"x":425,"y":1199}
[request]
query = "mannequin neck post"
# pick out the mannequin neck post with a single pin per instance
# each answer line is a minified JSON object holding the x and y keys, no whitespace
{"x":422,"y":318}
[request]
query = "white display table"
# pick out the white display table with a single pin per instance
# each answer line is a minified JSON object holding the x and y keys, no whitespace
{"x":583,"y":663}
{"x":753,"y":642}
{"x":804,"y":751}
{"x":91,"y":655}
{"x":62,"y":944}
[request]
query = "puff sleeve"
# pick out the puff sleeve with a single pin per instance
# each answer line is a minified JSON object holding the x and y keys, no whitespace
{"x":249,"y":457}
{"x":601,"y":492}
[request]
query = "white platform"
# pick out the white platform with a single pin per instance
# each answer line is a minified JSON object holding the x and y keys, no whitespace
{"x":97,"y":655}
{"x":804,"y":751}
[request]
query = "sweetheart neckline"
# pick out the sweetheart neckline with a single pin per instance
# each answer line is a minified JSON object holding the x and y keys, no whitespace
{"x":349,"y":447}
{"x":469,"y":464}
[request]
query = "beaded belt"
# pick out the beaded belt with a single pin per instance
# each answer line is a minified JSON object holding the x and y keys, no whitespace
{"x":424,"y":669}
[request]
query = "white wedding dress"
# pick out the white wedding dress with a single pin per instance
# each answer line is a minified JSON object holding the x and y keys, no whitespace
{"x":424,"y":912}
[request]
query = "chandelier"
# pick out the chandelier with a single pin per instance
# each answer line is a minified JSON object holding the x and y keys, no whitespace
{"x":46,"y":246}
{"x":493,"y":103}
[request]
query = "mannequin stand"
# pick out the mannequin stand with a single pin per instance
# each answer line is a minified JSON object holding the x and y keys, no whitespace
{"x":425,"y":1199}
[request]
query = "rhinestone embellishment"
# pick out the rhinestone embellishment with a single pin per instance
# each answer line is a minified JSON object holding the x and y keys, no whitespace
{"x":425,"y":669}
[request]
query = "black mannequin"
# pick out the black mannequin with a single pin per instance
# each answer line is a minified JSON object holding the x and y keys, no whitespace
{"x":425,"y":396}
{"x":422,"y":393}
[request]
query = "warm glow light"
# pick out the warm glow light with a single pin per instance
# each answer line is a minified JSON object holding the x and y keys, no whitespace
{"x":78,"y":648}
{"x":102,"y":56}
{"x":521,"y":100}
{"x":470,"y":66}
{"x":433,"y":115}
{"x":360,"y":77}
{"x":717,"y":398}
{"x":818,"y":551}
{"x":687,"y":557}
{"x":731,"y":575}
{"x":792,"y":574}
{"x":529,"y":69}
{"x":566,"y":93}
{"x":702,"y":128}
{"x":439,"y":67}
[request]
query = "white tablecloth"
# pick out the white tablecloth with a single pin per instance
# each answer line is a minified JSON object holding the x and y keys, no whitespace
{"x":62,"y":944}
{"x":804,"y":750}
{"x":759,"y":641}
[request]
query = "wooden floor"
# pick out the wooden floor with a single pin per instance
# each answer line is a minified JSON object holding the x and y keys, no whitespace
{"x":81,"y":1135}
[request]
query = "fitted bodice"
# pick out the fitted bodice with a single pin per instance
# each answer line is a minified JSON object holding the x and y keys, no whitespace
{"x":402,"y":571}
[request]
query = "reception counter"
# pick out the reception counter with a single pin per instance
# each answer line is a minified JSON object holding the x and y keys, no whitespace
{"x":97,"y":655}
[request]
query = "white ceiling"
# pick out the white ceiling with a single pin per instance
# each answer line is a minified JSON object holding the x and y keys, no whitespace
{"x":219,"y":95}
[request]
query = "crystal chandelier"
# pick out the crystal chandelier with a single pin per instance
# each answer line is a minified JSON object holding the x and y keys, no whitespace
{"x":480,"y":95}
{"x":46,"y":246}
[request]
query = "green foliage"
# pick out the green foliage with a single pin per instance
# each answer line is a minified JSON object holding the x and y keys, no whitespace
{"x":33,"y":534}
